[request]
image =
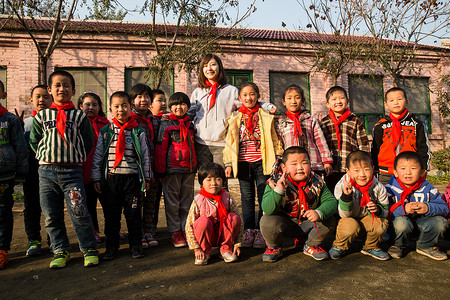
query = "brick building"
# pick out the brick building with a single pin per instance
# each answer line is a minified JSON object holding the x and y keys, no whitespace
{"x":108,"y":56}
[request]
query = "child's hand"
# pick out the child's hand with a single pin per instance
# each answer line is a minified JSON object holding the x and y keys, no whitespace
{"x":328,"y":169}
{"x":372,"y":207}
{"x":228,"y":171}
{"x":147,"y":186}
{"x":347,"y":187}
{"x":97,"y":187}
{"x":419,"y":207}
{"x":311,"y":215}
{"x":409,"y":208}
{"x":281,"y":183}
{"x":236,"y":250}
{"x":273,"y":110}
{"x":199,"y":254}
{"x":319,"y":117}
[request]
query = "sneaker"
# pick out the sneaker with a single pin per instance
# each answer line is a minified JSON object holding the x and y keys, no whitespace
{"x":336,"y":252}
{"x":34,"y":248}
{"x":178,"y":239}
{"x":144,"y":242}
{"x":299,"y":242}
{"x":315,"y":252}
{"x":395,"y":252}
{"x":249,"y":237}
{"x":97,"y":236}
{"x":376,"y":253}
{"x":4,"y":259}
{"x":91,"y":258}
{"x":272,"y":254}
{"x":137,"y":251}
{"x":59,"y":260}
{"x":258,"y":242}
{"x":109,"y":254}
{"x":202,"y":262}
{"x":432,"y":252}
{"x":151,"y":241}
{"x":229,"y":257}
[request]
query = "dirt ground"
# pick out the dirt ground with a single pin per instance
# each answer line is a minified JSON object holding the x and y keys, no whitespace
{"x":166,"y":272}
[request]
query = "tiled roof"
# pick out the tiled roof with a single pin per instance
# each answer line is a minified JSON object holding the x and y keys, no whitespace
{"x":137,"y":28}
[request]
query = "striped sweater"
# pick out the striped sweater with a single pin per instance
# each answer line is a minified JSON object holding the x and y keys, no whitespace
{"x":51,"y":148}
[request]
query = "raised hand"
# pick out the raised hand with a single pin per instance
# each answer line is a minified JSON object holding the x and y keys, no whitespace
{"x":347,"y":187}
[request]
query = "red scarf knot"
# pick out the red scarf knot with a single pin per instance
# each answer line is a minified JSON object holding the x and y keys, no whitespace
{"x":212,"y":93}
{"x":397,"y":128}
{"x":61,"y":117}
{"x":3,"y":110}
{"x":365,"y":192}
{"x":120,"y":145}
{"x":221,"y":210}
{"x":33,"y":113}
{"x":249,"y":117}
{"x":338,"y":121}
{"x":146,"y":120}
{"x":405,"y":193}
{"x":183,"y":128}
{"x":297,"y":126}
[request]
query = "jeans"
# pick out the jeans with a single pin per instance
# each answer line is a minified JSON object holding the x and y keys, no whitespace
{"x":6,"y":214}
{"x":250,"y":173}
{"x":32,"y":211}
{"x":430,"y":228}
{"x":56,"y":184}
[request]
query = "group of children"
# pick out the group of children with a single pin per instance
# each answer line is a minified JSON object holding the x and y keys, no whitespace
{"x":80,"y":156}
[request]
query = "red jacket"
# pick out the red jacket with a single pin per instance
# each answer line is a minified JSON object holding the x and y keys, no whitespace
{"x":100,"y":122}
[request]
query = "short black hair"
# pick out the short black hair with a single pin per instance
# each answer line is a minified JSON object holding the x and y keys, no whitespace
{"x":101,"y":113}
{"x":120,"y":94}
{"x":61,"y":73}
{"x":141,"y":89}
{"x":293,"y":150}
{"x":210,"y":168}
{"x":253,"y":85}
{"x":410,"y":155}
{"x":39,"y":86}
{"x":358,"y":156}
{"x":2,"y":86}
{"x":179,"y":98}
{"x":336,"y":88}
{"x":158,"y":92}
{"x":395,"y":89}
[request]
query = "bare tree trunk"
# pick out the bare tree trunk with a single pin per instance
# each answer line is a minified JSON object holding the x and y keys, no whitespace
{"x":43,"y":69}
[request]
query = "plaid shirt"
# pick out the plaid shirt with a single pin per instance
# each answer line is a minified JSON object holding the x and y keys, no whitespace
{"x":312,"y":138}
{"x":353,"y":137}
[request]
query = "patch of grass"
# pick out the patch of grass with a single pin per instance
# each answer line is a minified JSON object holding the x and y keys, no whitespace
{"x":18,"y":196}
{"x":435,"y":179}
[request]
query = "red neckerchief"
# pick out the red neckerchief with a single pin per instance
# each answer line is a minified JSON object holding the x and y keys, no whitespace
{"x":336,"y":123}
{"x":365,"y":192}
{"x":248,"y":116}
{"x":297,"y":125}
{"x":33,"y":113}
{"x":3,"y":110}
{"x":183,"y":128}
{"x":61,"y":117}
{"x":222,"y":211}
{"x":159,"y":114}
{"x":397,"y":128}
{"x":144,"y":119}
{"x":212,"y":93}
{"x":406,"y":192}
{"x":97,"y":123}
{"x":120,"y":146}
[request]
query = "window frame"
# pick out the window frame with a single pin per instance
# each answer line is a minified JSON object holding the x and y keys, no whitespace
{"x":308,"y":84}
{"x":5,"y":83}
{"x":128,"y":82}
{"x":233,"y":73}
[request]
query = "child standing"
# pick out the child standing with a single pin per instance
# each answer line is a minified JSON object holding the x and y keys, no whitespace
{"x":120,"y":171}
{"x":297,"y":203}
{"x":414,"y":202}
{"x":14,"y":167}
{"x":343,"y":131}
{"x":91,"y":104}
{"x":400,"y":131}
{"x":40,"y":99}
{"x":363,"y":203}
{"x":250,"y":148}
{"x":214,"y":218}
{"x":177,"y":164}
{"x":62,"y":138}
{"x":141,"y":99}
{"x":298,"y":128}
{"x":158,"y":106}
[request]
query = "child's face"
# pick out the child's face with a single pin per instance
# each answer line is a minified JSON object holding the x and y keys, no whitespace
{"x":179,"y":110}
{"x":61,"y":89}
{"x":211,"y":70}
{"x":41,"y":99}
{"x":337,"y":102}
{"x":361,"y":172}
{"x":90,"y":107}
{"x":159,"y":104}
{"x":396,"y":102}
{"x":297,"y":166}
{"x":248,"y":97}
{"x":212,"y":184}
{"x":293,"y":101}
{"x":120,"y":108}
{"x":142,"y":103}
{"x":408,"y":171}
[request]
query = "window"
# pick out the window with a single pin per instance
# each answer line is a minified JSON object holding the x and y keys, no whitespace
{"x":418,"y":94}
{"x":281,"y":80}
{"x":89,"y":80}
{"x":141,"y":75}
{"x":366,"y":99}
{"x":3,"y":79}
{"x":238,"y":77}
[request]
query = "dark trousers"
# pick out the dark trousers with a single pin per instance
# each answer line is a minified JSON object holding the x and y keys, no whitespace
{"x":122,"y":191}
{"x":249,"y":175}
{"x":32,"y":205}
{"x":91,"y":203}
{"x":150,"y":209}
{"x":6,"y":214}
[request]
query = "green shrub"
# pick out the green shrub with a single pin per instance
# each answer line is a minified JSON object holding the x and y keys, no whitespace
{"x":435,"y":180}
{"x":18,"y":196}
{"x":441,"y":160}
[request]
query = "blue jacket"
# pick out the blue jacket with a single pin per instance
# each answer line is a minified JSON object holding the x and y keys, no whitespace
{"x":427,"y":194}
